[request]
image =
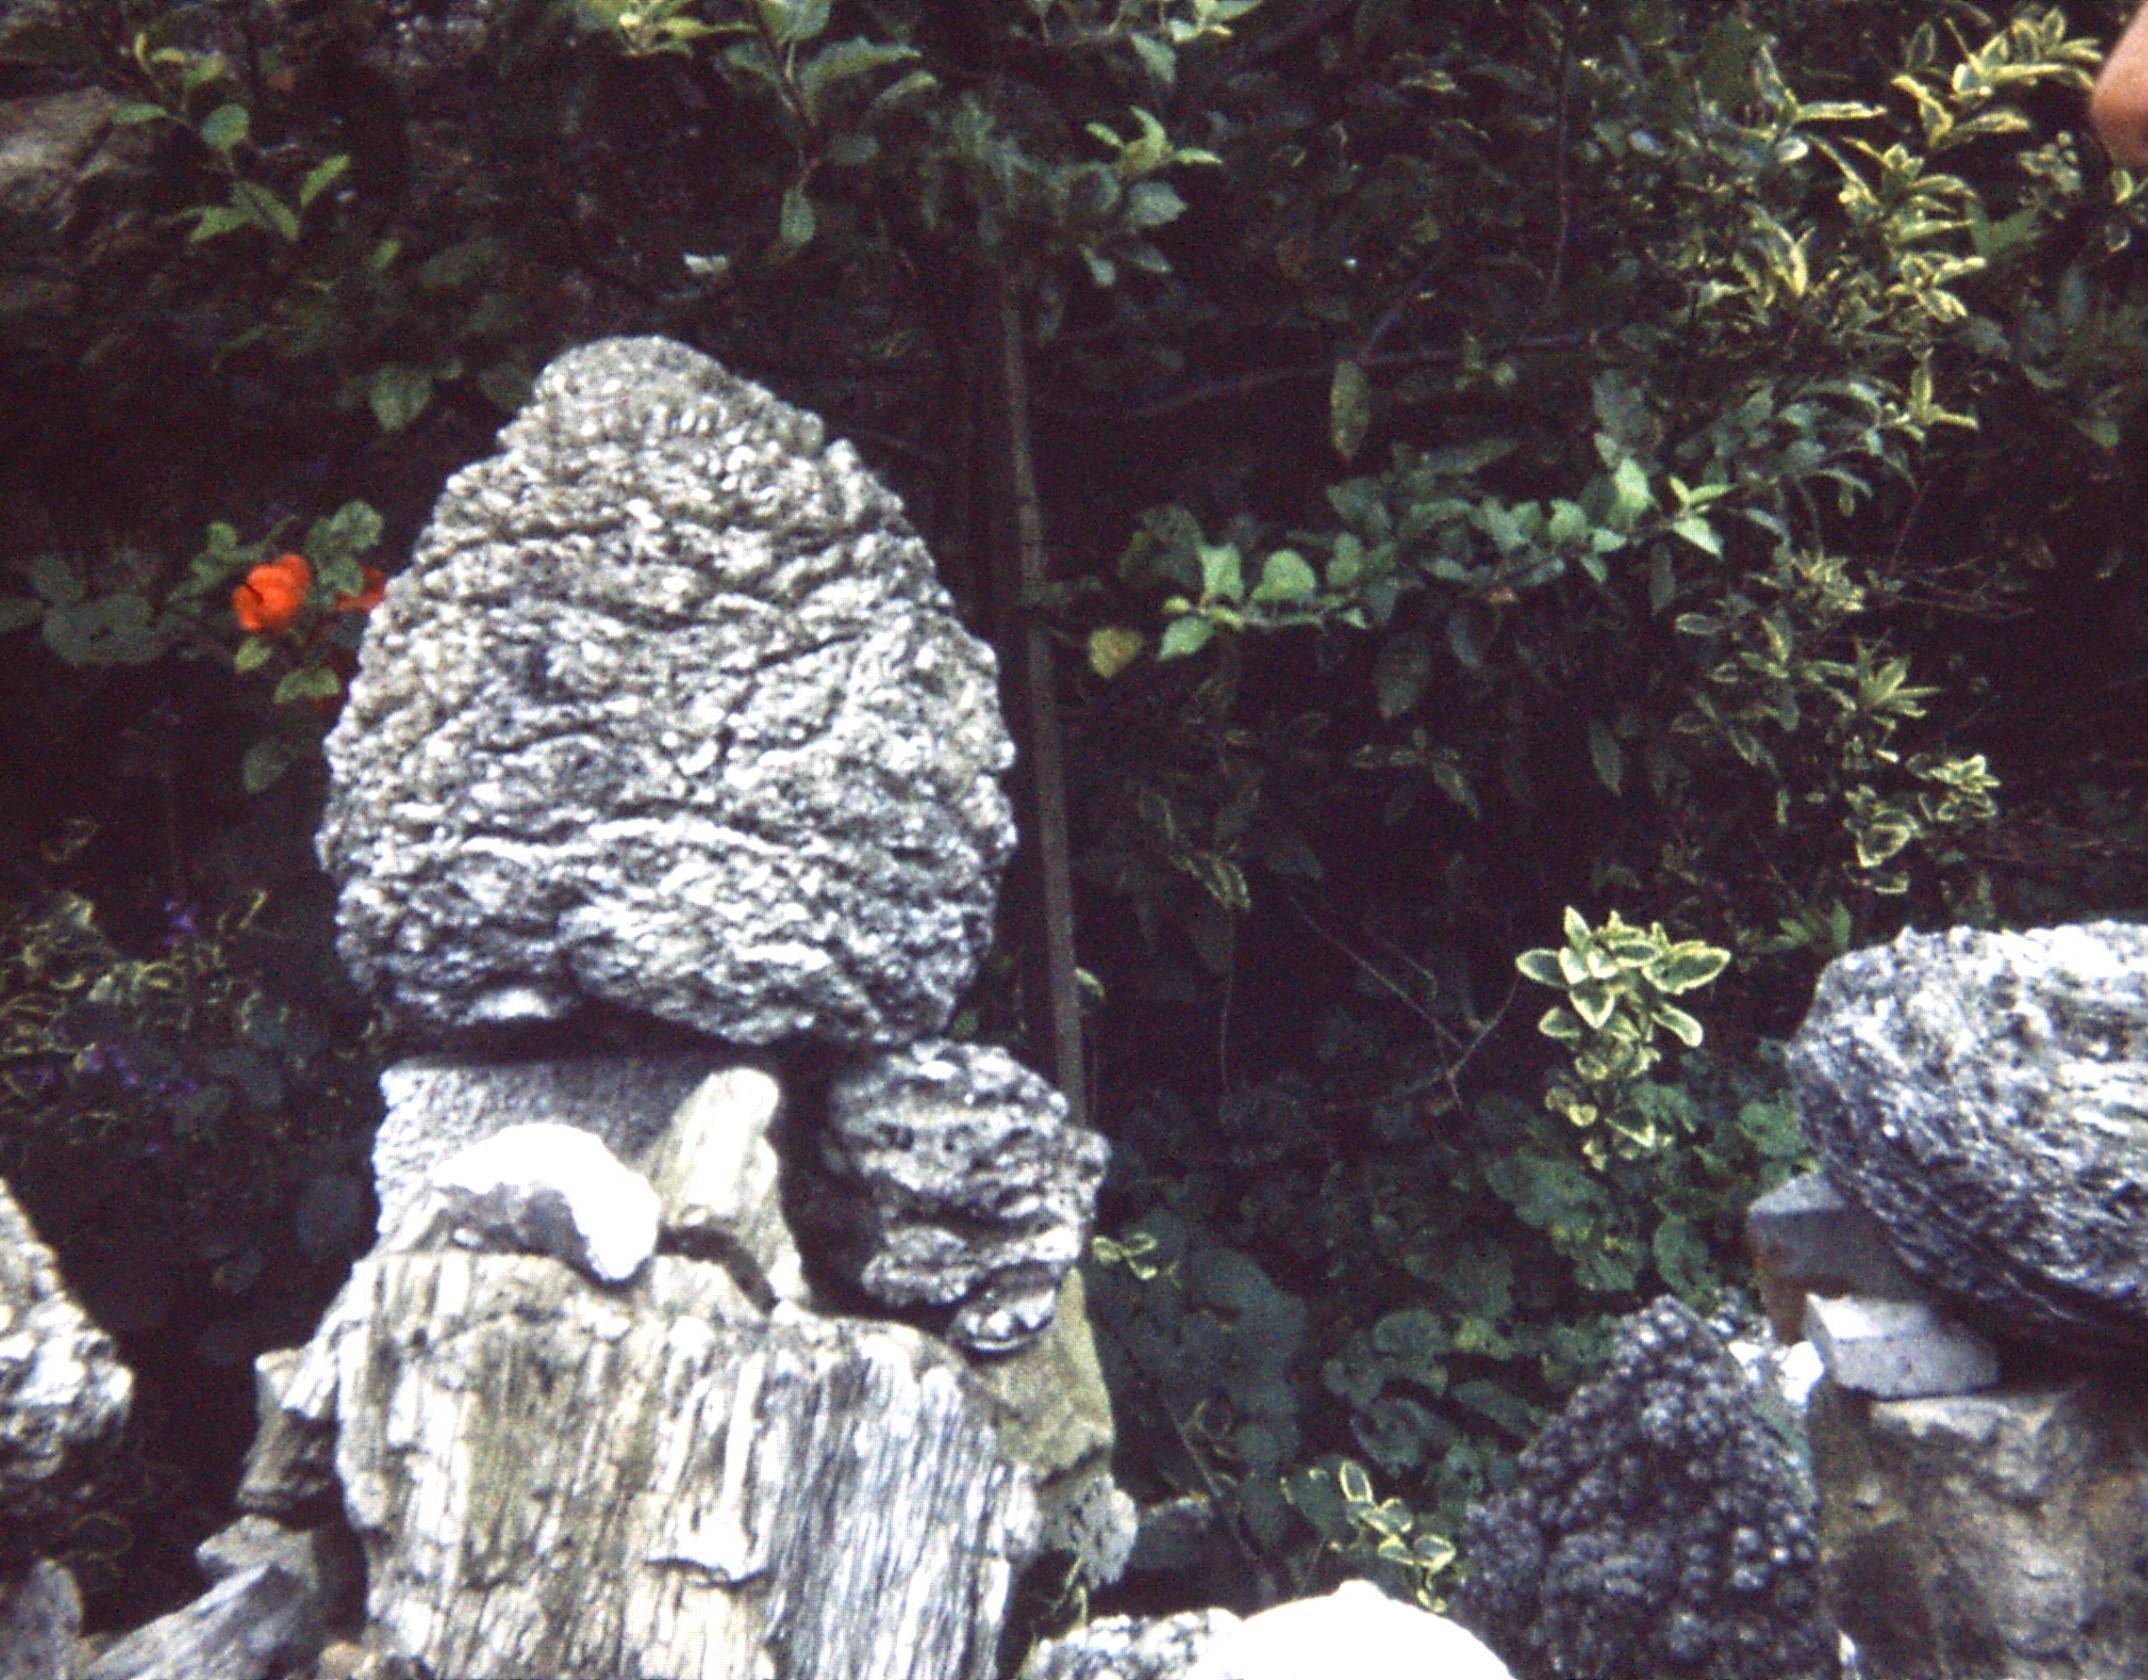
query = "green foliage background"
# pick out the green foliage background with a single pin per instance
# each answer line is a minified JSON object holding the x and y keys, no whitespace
{"x":1505,"y":466}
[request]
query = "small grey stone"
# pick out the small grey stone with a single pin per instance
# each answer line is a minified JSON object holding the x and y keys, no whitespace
{"x":955,"y":1182}
{"x":1985,"y":1097}
{"x":717,"y":1178}
{"x":669,"y":714}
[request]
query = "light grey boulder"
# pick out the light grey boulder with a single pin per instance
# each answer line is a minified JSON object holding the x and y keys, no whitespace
{"x":1985,"y":1097}
{"x":955,"y":1182}
{"x":63,"y":1398}
{"x":1897,"y":1350}
{"x":668,"y":715}
{"x":292,"y":1460}
{"x":664,"y":1481}
{"x":1356,"y":1629}
{"x":40,"y":1620}
{"x":437,"y":1106}
{"x":1999,"y":1536}
{"x":540,"y":1188}
{"x":1129,"y":1647}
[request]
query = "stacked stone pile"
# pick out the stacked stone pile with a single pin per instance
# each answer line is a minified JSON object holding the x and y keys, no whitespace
{"x":1972,"y":1265}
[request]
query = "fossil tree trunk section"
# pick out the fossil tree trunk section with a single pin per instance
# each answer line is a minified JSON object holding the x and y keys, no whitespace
{"x":555,"y":1478}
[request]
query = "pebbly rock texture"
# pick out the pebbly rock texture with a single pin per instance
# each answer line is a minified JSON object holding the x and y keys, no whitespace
{"x":1985,"y":1097}
{"x":955,"y":1182}
{"x":668,"y":715}
{"x":1993,"y":1536}
{"x":1657,"y":1526}
{"x":63,"y":1399}
{"x":1129,"y":1647}
{"x":553,"y":1478}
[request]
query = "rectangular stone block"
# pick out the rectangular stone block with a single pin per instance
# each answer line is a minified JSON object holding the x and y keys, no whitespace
{"x":1806,"y":1238}
{"x":1897,"y":1350}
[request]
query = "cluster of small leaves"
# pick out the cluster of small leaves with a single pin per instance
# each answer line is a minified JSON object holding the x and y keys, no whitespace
{"x":1618,"y":981}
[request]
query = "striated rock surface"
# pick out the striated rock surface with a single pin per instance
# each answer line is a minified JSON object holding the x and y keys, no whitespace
{"x":955,"y":1182}
{"x":63,"y":1398}
{"x":1985,"y":1097}
{"x":552,"y":1478}
{"x":1997,"y":1536}
{"x":668,"y":715}
{"x":1656,"y":1526}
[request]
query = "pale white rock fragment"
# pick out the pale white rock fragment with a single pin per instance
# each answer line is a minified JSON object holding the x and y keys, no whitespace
{"x":541,"y":1188}
{"x":1355,"y":1630}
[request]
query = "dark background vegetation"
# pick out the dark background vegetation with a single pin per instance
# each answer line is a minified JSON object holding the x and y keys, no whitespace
{"x":1504,"y":467}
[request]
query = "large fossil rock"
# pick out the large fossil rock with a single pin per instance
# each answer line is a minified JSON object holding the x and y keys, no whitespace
{"x":668,"y":715}
{"x":1657,"y":1526}
{"x":1985,"y":1097}
{"x":551,"y":1477}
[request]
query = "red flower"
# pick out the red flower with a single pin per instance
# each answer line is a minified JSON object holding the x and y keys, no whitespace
{"x":369,"y":597}
{"x":270,"y":600}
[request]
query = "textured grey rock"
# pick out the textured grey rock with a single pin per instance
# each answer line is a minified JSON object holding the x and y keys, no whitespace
{"x":552,"y":1478}
{"x":668,"y":714}
{"x":40,"y":1619}
{"x":1985,"y":1097}
{"x":717,"y":1180}
{"x":63,"y":1398}
{"x":1356,"y":1629}
{"x":438,"y":1106}
{"x":540,"y":1188}
{"x":1998,"y":1536}
{"x":955,"y":1182}
{"x":1129,"y":1647}
{"x":1656,"y":1526}
{"x":256,"y":1625}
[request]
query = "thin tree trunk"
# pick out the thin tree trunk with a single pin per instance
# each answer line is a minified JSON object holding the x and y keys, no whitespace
{"x":1051,"y":999}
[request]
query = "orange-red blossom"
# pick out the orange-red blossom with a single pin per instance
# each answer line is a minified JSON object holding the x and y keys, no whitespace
{"x":273,"y":594}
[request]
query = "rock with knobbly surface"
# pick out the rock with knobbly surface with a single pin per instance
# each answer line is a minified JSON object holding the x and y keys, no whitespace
{"x":552,"y":1478}
{"x":1985,"y":1097}
{"x":1657,"y":1526}
{"x":954,"y":1181}
{"x":63,"y":1399}
{"x":668,"y":715}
